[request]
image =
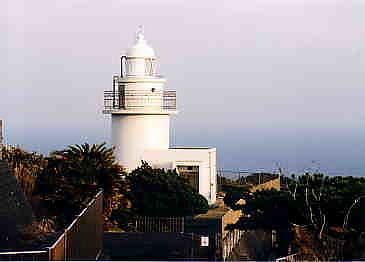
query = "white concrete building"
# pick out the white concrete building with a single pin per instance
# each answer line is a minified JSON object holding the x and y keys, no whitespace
{"x":140,"y":109}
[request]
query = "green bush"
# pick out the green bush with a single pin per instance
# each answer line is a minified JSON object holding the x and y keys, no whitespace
{"x":156,"y":192}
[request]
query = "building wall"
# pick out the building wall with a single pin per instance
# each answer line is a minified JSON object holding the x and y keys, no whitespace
{"x":133,"y":134}
{"x":272,"y":184}
{"x":231,"y":217}
{"x":205,"y":158}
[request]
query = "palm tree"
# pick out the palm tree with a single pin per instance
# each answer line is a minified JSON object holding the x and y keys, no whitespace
{"x":90,"y":165}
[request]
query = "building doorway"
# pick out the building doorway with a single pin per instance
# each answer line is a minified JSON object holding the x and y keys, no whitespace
{"x":191,"y":174}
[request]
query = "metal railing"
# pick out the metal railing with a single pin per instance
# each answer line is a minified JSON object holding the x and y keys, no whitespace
{"x":34,"y":255}
{"x":159,"y":224}
{"x":139,"y":100}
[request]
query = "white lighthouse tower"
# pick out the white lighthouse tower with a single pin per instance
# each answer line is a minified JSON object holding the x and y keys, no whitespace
{"x":140,"y":109}
{"x":139,"y":106}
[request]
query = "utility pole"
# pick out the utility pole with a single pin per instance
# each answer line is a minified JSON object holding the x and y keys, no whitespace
{"x":1,"y":138}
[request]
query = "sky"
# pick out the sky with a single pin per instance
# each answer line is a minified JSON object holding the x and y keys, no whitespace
{"x":267,"y":82}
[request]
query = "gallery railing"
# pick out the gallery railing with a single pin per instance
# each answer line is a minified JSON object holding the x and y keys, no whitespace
{"x":139,"y":100}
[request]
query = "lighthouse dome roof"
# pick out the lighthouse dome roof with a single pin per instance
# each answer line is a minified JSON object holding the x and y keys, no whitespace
{"x":140,"y":48}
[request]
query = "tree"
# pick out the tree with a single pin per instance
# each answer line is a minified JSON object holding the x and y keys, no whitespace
{"x":268,"y":209}
{"x":324,"y":200}
{"x":88,"y":164}
{"x":72,"y":175}
{"x":27,"y":166}
{"x":319,"y":202}
{"x":235,"y":193}
{"x":156,"y":192}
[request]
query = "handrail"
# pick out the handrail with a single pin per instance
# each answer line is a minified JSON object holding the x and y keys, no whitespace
{"x":23,"y":252}
{"x":287,"y":258}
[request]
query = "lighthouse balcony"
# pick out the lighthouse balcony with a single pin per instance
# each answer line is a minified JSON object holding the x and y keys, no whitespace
{"x":139,"y":101}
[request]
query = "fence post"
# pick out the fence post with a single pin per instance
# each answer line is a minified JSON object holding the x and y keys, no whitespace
{"x":65,"y":246}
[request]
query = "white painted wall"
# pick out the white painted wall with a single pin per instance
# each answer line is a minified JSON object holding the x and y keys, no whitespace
{"x":133,"y":134}
{"x":205,"y":158}
{"x":143,"y":95}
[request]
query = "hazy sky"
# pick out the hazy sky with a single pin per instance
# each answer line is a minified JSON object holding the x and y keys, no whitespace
{"x":264,"y":81}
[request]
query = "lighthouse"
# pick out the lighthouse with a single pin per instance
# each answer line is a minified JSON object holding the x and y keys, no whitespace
{"x":139,"y":105}
{"x":140,"y":109}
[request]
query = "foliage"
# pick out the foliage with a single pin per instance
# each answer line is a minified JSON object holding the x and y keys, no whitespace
{"x":319,"y":202}
{"x":16,"y":157}
{"x":26,"y":166}
{"x":268,"y":209}
{"x":310,"y":199}
{"x":60,"y":185}
{"x":123,"y":216}
{"x":88,"y":164}
{"x":72,"y":175}
{"x":324,"y":201}
{"x":235,"y":193}
{"x":156,"y":192}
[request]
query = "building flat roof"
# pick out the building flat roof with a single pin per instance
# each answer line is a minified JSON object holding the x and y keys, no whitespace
{"x":190,"y":147}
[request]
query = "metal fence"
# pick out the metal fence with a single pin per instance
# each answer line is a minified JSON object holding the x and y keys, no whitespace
{"x":230,"y":241}
{"x":82,"y":240}
{"x":159,"y":224}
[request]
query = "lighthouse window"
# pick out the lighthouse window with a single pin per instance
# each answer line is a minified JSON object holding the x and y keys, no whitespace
{"x":148,"y":68}
{"x":130,"y":67}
